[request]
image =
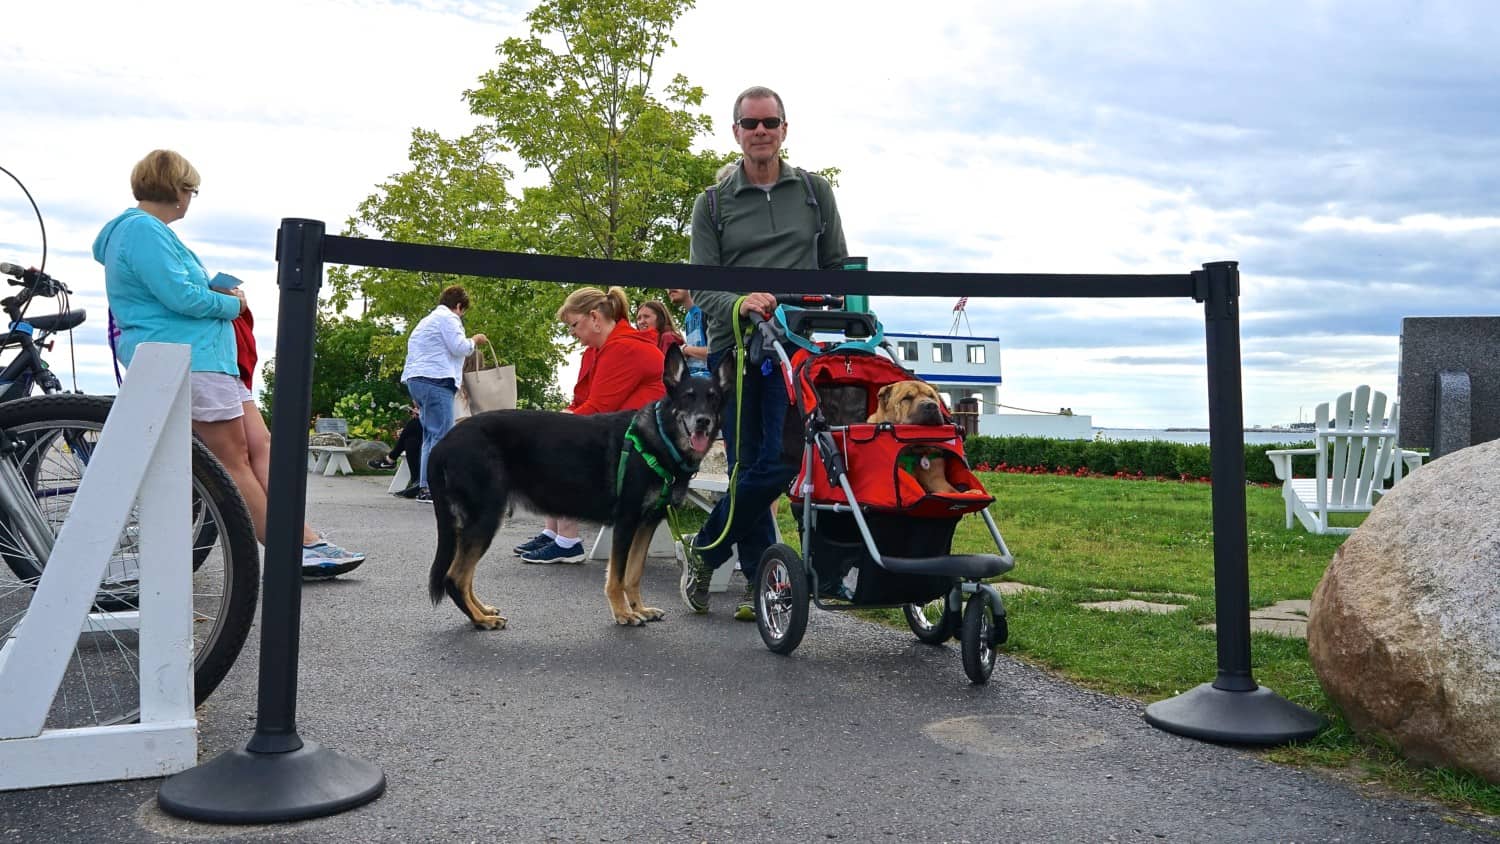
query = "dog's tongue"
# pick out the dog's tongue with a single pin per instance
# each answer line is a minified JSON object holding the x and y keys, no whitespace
{"x":699,"y":441}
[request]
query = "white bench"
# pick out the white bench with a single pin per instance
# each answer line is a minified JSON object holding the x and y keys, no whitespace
{"x":328,"y":448}
{"x":402,"y":479}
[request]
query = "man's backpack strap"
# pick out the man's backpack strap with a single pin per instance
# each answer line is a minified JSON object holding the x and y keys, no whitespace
{"x":812,"y":199}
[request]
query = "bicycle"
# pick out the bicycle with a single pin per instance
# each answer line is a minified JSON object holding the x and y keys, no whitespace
{"x":46,"y":442}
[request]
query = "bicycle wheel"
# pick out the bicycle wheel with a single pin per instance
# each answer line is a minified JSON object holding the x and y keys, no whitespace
{"x":54,"y":437}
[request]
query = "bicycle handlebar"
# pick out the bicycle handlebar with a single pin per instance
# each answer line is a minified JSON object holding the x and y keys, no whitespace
{"x":34,"y":280}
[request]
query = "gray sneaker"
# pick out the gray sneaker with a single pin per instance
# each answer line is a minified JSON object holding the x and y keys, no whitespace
{"x":323,"y":560}
{"x":693,"y":586}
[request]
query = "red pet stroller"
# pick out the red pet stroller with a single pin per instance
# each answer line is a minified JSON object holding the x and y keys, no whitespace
{"x":871,"y":535}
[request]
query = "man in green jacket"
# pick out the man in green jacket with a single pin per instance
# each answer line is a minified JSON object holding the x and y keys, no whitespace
{"x":766,"y":213}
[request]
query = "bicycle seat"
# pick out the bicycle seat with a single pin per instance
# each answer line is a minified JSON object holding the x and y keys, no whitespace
{"x":66,"y":321}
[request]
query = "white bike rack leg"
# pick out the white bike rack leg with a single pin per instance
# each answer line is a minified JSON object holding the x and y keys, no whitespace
{"x":144,"y":450}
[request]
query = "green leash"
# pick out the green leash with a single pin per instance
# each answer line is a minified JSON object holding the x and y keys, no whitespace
{"x":739,"y":392}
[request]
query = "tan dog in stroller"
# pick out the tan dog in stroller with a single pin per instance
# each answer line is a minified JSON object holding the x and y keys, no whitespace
{"x":916,"y":403}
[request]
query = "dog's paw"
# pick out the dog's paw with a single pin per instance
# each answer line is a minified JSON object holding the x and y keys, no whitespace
{"x":493,"y":621}
{"x":629,"y":620}
{"x":650,"y":613}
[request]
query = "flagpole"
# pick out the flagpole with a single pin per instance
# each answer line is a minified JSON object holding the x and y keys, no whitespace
{"x":960,"y":314}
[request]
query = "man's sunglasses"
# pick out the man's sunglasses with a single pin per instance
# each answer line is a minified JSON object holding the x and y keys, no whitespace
{"x":749,"y":123}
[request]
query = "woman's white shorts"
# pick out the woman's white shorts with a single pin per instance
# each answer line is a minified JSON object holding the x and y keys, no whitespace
{"x":217,"y":396}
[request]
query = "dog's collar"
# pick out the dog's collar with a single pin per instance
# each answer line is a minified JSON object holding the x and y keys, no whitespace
{"x":672,"y":451}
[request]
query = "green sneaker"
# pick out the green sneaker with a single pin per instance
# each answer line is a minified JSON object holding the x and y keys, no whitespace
{"x":692,"y":587}
{"x":746,"y":610}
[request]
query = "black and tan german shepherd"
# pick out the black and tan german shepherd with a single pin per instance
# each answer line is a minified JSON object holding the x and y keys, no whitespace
{"x":584,"y":467}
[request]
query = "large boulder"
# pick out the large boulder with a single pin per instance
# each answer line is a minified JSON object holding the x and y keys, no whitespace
{"x":1404,"y":629}
{"x":361,"y":452}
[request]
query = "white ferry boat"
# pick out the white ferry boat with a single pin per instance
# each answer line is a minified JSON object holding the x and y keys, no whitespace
{"x":961,"y":367}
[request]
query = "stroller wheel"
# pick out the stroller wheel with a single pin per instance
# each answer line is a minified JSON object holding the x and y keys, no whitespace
{"x":932,"y":623}
{"x":781,"y":594}
{"x":979,"y":637}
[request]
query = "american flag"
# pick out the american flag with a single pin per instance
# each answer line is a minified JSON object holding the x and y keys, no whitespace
{"x":962,"y":301}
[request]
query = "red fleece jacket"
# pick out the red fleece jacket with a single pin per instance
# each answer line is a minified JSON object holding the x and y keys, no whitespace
{"x":244,"y":343}
{"x":623,"y":374}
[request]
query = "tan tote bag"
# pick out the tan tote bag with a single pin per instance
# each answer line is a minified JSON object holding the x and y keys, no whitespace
{"x":490,"y":386}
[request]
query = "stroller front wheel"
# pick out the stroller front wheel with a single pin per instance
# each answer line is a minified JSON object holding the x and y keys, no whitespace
{"x":979,"y":638}
{"x":781,"y":595}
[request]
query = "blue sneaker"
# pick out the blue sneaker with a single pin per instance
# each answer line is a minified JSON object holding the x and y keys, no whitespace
{"x":536,"y":543}
{"x":554,"y":553}
{"x":323,"y":560}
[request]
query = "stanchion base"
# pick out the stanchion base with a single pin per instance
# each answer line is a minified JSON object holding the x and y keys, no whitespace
{"x":1258,"y":717}
{"x":243,"y":787}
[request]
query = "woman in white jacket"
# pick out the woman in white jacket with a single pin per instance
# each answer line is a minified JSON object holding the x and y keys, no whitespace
{"x":435,"y":355}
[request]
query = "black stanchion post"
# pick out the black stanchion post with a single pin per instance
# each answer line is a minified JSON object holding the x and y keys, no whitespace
{"x":1232,"y":708}
{"x":277,"y":775}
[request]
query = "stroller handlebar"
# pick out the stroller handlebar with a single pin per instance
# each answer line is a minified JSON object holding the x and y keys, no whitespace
{"x":810,"y":300}
{"x":812,"y":312}
{"x":762,"y":339}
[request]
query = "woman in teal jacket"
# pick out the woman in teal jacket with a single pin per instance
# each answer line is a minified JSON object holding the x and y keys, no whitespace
{"x":159,"y":292}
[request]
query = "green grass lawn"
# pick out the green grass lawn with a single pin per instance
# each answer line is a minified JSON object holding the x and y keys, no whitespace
{"x":1091,"y":539}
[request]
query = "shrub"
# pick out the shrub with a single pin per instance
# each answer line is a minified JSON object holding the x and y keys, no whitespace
{"x":1132,"y":458}
{"x":1159,"y":459}
{"x":1192,"y":462}
{"x":375,"y":410}
{"x":1101,"y":457}
{"x":1065,"y":454}
{"x":1147,"y":458}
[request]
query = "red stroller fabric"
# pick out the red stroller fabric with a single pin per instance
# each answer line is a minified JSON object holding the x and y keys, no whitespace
{"x":880,"y":458}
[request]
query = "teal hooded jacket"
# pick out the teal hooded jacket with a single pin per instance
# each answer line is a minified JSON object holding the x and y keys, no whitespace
{"x":158,"y":292}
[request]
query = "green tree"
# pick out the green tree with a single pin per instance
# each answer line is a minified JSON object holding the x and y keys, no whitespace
{"x":456,"y":195}
{"x":573,"y":100}
{"x":621,"y":172}
{"x":342,"y":363}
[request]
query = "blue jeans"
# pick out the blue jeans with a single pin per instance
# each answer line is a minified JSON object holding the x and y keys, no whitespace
{"x":763,"y":478}
{"x":436,"y":402}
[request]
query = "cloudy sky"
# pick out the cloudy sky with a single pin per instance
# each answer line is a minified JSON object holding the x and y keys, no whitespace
{"x":1347,"y":154}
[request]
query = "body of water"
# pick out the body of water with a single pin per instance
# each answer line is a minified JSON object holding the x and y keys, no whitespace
{"x":1251,"y":437}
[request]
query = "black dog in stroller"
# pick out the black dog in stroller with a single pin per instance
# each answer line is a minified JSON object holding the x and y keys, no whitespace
{"x":872,"y":533}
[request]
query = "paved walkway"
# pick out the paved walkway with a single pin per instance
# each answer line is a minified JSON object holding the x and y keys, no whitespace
{"x":567,"y":728}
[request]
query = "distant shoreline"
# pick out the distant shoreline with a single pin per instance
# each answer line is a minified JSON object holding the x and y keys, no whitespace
{"x":1254,"y":436}
{"x":1273,"y":430}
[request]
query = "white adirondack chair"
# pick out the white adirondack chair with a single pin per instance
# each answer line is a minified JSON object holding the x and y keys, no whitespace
{"x":1355,"y":450}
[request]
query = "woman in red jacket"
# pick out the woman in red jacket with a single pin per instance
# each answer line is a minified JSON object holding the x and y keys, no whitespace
{"x":621,"y":370}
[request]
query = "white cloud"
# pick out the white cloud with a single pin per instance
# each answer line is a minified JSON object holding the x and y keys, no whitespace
{"x":1346,"y":155}
{"x":1411,"y":223}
